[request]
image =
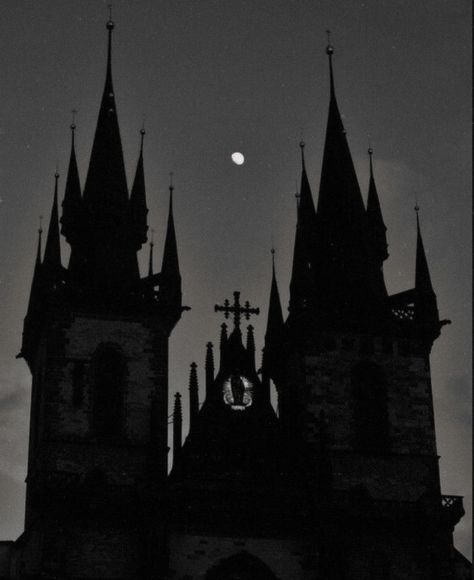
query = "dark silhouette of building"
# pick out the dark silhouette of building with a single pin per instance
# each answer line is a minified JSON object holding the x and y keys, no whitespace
{"x":342,"y":483}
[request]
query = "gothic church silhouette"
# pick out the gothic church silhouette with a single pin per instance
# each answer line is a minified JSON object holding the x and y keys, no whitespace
{"x":342,"y":483}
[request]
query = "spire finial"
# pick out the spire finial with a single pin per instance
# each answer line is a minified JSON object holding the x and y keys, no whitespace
{"x":56,"y":173}
{"x":329,"y":47}
{"x":142,"y":135}
{"x":370,"y":151}
{"x":171,"y":186}
{"x":330,"y":52}
{"x":152,"y":241}
{"x":302,"y":146}
{"x":110,"y":23}
{"x":40,"y":231}
{"x":73,"y":124}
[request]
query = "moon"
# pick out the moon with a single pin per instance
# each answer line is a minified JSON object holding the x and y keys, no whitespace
{"x":238,"y":158}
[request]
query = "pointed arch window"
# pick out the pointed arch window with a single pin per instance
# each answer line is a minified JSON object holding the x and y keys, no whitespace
{"x":371,"y":423}
{"x":110,"y":373}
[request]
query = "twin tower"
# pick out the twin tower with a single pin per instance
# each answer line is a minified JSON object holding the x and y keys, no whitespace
{"x":342,"y":483}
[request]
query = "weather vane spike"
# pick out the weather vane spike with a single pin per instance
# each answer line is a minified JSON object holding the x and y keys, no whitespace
{"x":110,"y":22}
{"x":237,"y":310}
{"x":329,"y":47}
{"x":73,"y":124}
{"x":142,"y":130}
{"x":171,"y":186}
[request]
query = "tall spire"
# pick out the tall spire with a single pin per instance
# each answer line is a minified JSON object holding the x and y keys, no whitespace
{"x":150,"y":255}
{"x":35,"y":284}
{"x":71,"y":219}
{"x":426,"y":308}
{"x":250,"y":347}
{"x":105,"y":192}
{"x":340,"y":199}
{"x":306,"y":210}
{"x":209,"y":368}
{"x":193,"y":396}
{"x":275,"y":327}
{"x":170,"y":286}
{"x":177,"y":427}
{"x":376,"y":227}
{"x":138,"y":206}
{"x":52,"y":253}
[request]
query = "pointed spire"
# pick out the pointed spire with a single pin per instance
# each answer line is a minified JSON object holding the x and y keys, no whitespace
{"x":376,"y":227}
{"x":106,"y":192}
{"x":426,"y":308}
{"x":306,"y":210}
{"x":71,"y":219}
{"x":177,"y":427}
{"x":150,"y":255}
{"x":275,"y":326}
{"x":301,"y":283}
{"x":35,"y":284}
{"x":340,"y":199}
{"x":223,"y":343}
{"x":250,"y":347}
{"x":138,"y":205}
{"x":209,"y":368}
{"x":170,"y":288}
{"x":193,"y":396}
{"x":52,"y":253}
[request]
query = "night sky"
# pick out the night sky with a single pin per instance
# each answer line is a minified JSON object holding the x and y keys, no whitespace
{"x":211,"y":77}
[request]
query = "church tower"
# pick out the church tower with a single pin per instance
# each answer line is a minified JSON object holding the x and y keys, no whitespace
{"x":96,"y":341}
{"x":351,"y":366}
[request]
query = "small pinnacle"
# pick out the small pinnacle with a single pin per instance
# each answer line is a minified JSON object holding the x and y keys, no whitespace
{"x":177,"y":396}
{"x":370,"y":150}
{"x":40,"y":231}
{"x":273,"y":251}
{"x":302,"y":144}
{"x":152,"y":241}
{"x":171,"y":186}
{"x":193,"y":365}
{"x":417,"y":208}
{"x":73,"y":124}
{"x":56,"y":173}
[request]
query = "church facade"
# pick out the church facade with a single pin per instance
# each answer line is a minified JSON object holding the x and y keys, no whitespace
{"x":342,"y":483}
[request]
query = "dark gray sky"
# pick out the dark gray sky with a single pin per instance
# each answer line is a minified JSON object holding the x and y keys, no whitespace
{"x":215,"y":76}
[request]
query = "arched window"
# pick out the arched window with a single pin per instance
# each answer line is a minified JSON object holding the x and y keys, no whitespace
{"x":371,"y":424}
{"x":110,"y":371}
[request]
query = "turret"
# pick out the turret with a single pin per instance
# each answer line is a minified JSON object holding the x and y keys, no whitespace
{"x":337,"y":281}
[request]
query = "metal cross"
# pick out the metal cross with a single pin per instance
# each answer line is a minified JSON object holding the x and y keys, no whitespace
{"x":236,"y":309}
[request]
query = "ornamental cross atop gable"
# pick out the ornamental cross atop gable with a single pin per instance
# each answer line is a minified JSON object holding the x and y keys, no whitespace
{"x":236,"y":309}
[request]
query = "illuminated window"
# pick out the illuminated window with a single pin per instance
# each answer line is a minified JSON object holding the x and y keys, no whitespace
{"x":237,"y":391}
